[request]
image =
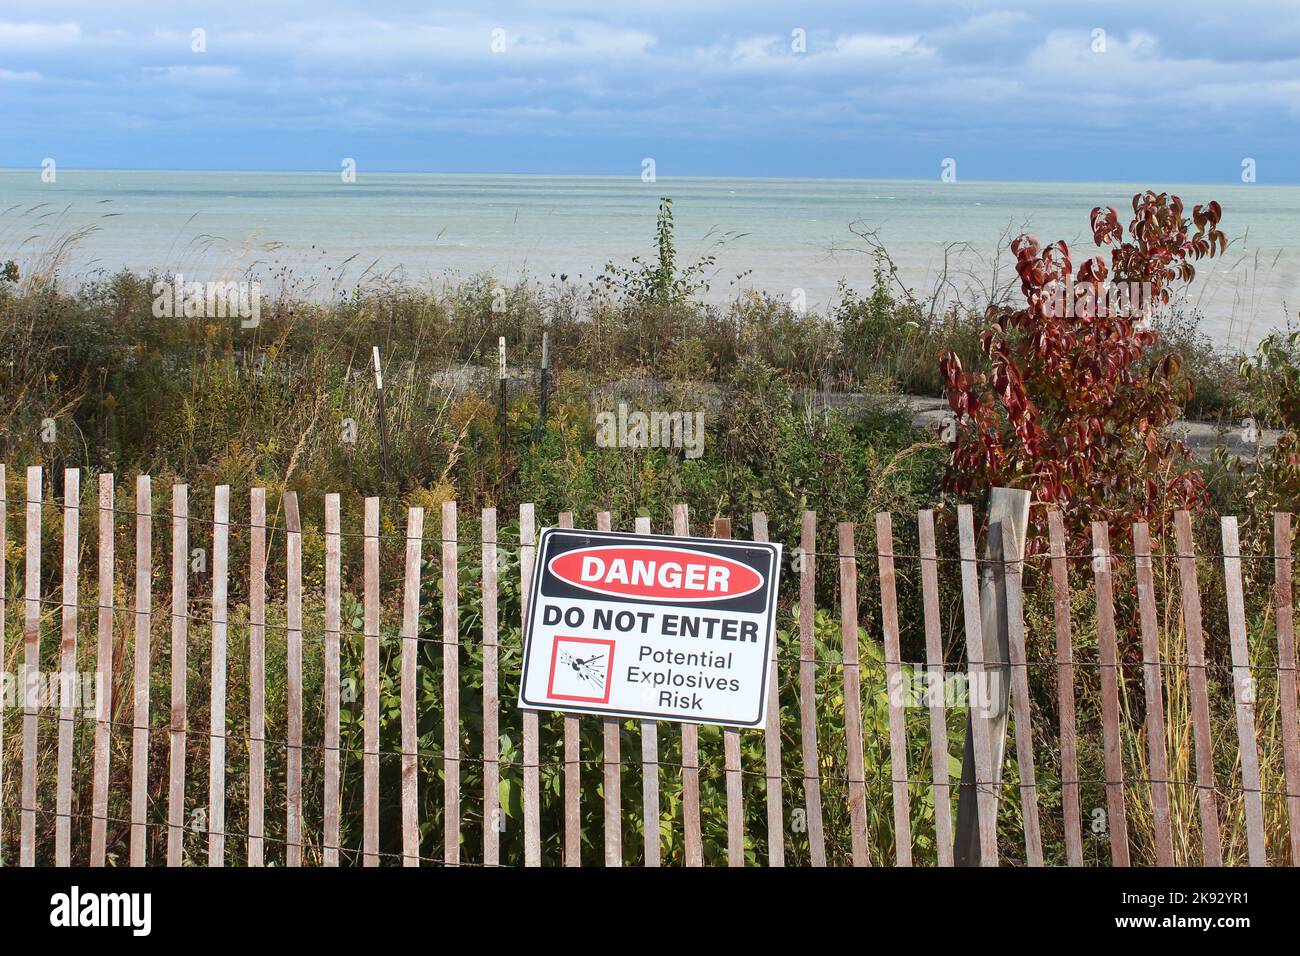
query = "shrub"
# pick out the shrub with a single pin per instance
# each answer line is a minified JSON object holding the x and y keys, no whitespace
{"x":1072,"y":410}
{"x":1275,"y":371}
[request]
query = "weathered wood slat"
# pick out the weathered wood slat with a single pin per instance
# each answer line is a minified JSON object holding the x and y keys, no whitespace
{"x":410,"y":685}
{"x":693,"y":839}
{"x":217,"y":678}
{"x":1243,"y":683}
{"x":1191,"y":600}
{"x":772,"y":739}
{"x":103,"y":665}
{"x":4,"y":637}
{"x":532,"y":755}
{"x":333,"y":690}
{"x":935,"y":690}
{"x":492,"y":815}
{"x":895,"y":690}
{"x":572,"y":770}
{"x":852,"y":693}
{"x":140,"y":671}
{"x":731,"y":762}
{"x":1286,"y":661}
{"x":649,"y":767}
{"x":370,"y":678}
{"x":180,"y":615}
{"x":989,"y":714}
{"x":613,"y":778}
{"x":812,"y":780}
{"x":257,"y":676}
{"x":1153,"y":686}
{"x":1070,"y":809}
{"x":450,"y":687}
{"x":1113,"y":753}
{"x":67,"y":668}
{"x":986,"y":798}
{"x":293,"y":682}
{"x":31,"y":667}
{"x":1020,"y":695}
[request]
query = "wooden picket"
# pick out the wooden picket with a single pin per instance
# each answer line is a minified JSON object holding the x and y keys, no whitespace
{"x":693,"y":839}
{"x":1065,"y":691}
{"x":936,"y":690}
{"x":140,"y":670}
{"x":492,"y":816}
{"x":731,"y":759}
{"x":450,"y":687}
{"x":103,"y":669}
{"x":1113,"y":757}
{"x":649,"y":768}
{"x":180,"y":616}
{"x":31,"y":663}
{"x":257,"y":680}
{"x":1243,"y":695}
{"x":532,"y":756}
{"x":812,"y":780}
{"x":1286,"y":662}
{"x":611,"y":766}
{"x":370,"y":691}
{"x":217,"y":708}
{"x":1019,"y":659}
{"x":1205,"y":786}
{"x":4,"y":640}
{"x":852,"y":694}
{"x":772,"y":739}
{"x":310,"y":840}
{"x":333,"y":688}
{"x":410,"y":684}
{"x":895,"y":691}
{"x":572,"y":770}
{"x":293,"y":681}
{"x":1153,"y":687}
{"x":67,"y":667}
{"x":985,"y":787}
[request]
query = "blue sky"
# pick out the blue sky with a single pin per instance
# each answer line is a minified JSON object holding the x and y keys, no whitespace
{"x":1010,"y":90}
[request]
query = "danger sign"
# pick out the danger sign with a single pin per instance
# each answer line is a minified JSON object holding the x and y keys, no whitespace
{"x":652,"y":627}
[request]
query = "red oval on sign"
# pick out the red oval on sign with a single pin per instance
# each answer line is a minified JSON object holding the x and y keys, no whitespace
{"x":655,"y":573}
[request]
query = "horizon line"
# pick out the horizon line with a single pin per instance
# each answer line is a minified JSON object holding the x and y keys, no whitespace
{"x":631,"y":176}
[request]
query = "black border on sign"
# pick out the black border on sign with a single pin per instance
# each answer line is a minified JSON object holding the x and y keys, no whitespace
{"x":539,"y":568}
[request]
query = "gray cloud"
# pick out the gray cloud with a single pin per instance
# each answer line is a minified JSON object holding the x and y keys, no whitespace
{"x":926,"y":76}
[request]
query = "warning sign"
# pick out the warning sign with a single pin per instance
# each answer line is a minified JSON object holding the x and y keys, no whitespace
{"x":650,"y":626}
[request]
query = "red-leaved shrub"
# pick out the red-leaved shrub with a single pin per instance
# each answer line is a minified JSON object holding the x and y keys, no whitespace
{"x":1074,"y":409}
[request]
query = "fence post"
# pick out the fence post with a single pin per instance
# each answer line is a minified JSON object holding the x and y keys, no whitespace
{"x":293,"y":681}
{"x":31,"y":666}
{"x":1011,"y":506}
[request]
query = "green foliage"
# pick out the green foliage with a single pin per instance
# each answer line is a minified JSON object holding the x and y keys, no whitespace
{"x":1274,"y":371}
{"x":657,"y":282}
{"x":888,"y":344}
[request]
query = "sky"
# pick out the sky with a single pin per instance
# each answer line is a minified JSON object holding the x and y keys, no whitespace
{"x":1126,"y":91}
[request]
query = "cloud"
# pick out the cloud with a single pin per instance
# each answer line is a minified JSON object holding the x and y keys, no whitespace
{"x":1011,"y":76}
{"x":38,"y":36}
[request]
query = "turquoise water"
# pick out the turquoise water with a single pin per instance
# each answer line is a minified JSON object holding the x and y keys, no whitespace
{"x":317,"y":234}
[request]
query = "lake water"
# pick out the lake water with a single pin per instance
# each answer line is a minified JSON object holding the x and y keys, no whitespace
{"x":316,"y":234}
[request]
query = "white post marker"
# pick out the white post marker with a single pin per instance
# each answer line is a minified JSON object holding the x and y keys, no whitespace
{"x":651,"y":626}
